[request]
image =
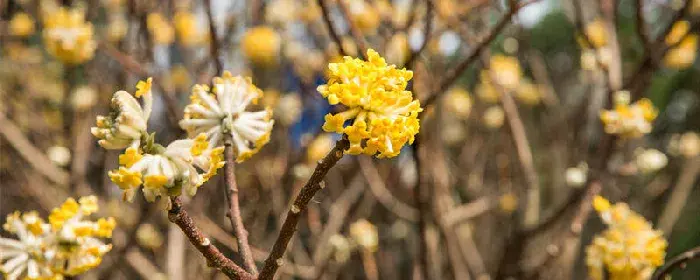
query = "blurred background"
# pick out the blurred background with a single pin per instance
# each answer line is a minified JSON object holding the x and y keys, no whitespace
{"x":489,"y":212}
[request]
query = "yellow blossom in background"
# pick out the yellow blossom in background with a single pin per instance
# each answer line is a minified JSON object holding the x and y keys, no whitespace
{"x":117,"y":27}
{"x":179,"y":78}
{"x":149,"y":236}
{"x":628,"y":120}
{"x":289,"y":108}
{"x":629,"y":249}
{"x":282,"y":11}
{"x":505,"y":70}
{"x":485,"y":89}
{"x":458,"y":102}
{"x":363,"y":15}
{"x":683,"y":55}
{"x":384,"y":113}
{"x":68,"y":37}
{"x":397,"y":51}
{"x":686,"y":145}
{"x":160,"y":29}
{"x":365,"y":235}
{"x":188,"y":32}
{"x":650,"y":160}
{"x":508,"y":202}
{"x":678,"y":31}
{"x":67,"y":245}
{"x":597,"y":33}
{"x":224,"y":110}
{"x":261,"y":45}
{"x":319,"y":147}
{"x":528,"y":93}
{"x":493,"y":117}
{"x":59,"y":155}
{"x":21,"y":24}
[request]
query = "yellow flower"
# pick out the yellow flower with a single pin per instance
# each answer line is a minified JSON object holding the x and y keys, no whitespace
{"x":155,"y":181}
{"x":485,"y":90}
{"x":629,"y":249}
{"x":493,"y":117}
{"x":21,"y":25}
{"x":261,"y":45}
{"x":505,"y":70}
{"x":385,"y":114}
{"x":398,"y":49}
{"x":528,"y":93}
{"x":68,"y":37}
{"x":365,"y":234}
{"x":597,"y":33}
{"x":160,"y":29}
{"x":629,"y":120}
{"x":188,"y":32}
{"x":125,"y":179}
{"x":130,"y":156}
{"x":458,"y":102}
{"x":319,"y":147}
{"x":678,"y":31}
{"x":117,"y":27}
{"x":200,"y":144}
{"x":143,"y":87}
{"x":683,"y":55}
{"x":508,"y":202}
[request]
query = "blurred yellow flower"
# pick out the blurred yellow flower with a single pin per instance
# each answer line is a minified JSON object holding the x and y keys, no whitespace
{"x":683,"y":55}
{"x":678,"y":31}
{"x":188,"y":32}
{"x":458,"y":102}
{"x":160,"y":29}
{"x":508,"y":202}
{"x":528,"y":93}
{"x":117,"y":27}
{"x":629,"y":249}
{"x":505,"y":70}
{"x":365,"y":235}
{"x":21,"y":24}
{"x":319,"y":147}
{"x":261,"y":45}
{"x":686,"y":144}
{"x":597,"y":33}
{"x":363,"y":15}
{"x":493,"y":117}
{"x":485,"y":90}
{"x":384,"y":112}
{"x":68,"y":37}
{"x":397,"y":49}
{"x":628,"y":120}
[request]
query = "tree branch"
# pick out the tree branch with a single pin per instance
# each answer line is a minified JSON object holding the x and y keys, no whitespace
{"x":214,"y":257}
{"x":213,"y":42}
{"x":274,"y":260}
{"x":329,"y":25}
{"x":234,"y":211}
{"x":426,"y":35}
{"x":678,"y":261}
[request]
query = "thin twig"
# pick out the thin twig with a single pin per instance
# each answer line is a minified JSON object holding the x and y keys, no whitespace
{"x":642,"y":30}
{"x":329,"y":25}
{"x":234,"y":211}
{"x":213,"y":41}
{"x":426,"y":35}
{"x":274,"y":261}
{"x":454,"y":73}
{"x":214,"y":257}
{"x":383,"y":195}
{"x":679,"y":196}
{"x":678,"y":261}
{"x":354,"y":30}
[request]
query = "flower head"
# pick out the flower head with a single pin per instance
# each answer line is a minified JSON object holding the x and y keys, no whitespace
{"x":629,"y":120}
{"x":650,"y":160}
{"x":365,"y":235}
{"x":683,"y":55}
{"x":628,"y":249}
{"x":597,"y":33}
{"x":67,"y":245}
{"x":385,"y":114}
{"x":126,"y":123}
{"x":223,"y":110}
{"x":505,"y":70}
{"x":187,"y":30}
{"x":68,"y":37}
{"x":167,"y":171}
{"x":160,"y":29}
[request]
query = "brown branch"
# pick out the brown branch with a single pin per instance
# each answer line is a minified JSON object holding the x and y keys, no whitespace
{"x":354,"y":30}
{"x":234,"y":211}
{"x":213,"y":41}
{"x":426,"y":35}
{"x":329,"y":25}
{"x":214,"y":257}
{"x":274,"y":261}
{"x":642,"y":30}
{"x":679,"y":196}
{"x":678,"y":261}
{"x":383,"y":195}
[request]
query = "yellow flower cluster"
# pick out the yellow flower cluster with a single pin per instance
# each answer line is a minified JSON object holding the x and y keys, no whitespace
{"x":68,"y":37}
{"x":365,"y":235}
{"x":629,"y":249}
{"x":261,"y":45}
{"x":67,"y":245}
{"x":684,"y":50}
{"x":629,"y":120}
{"x":385,"y":114}
{"x":160,"y":29}
{"x":364,"y":16}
